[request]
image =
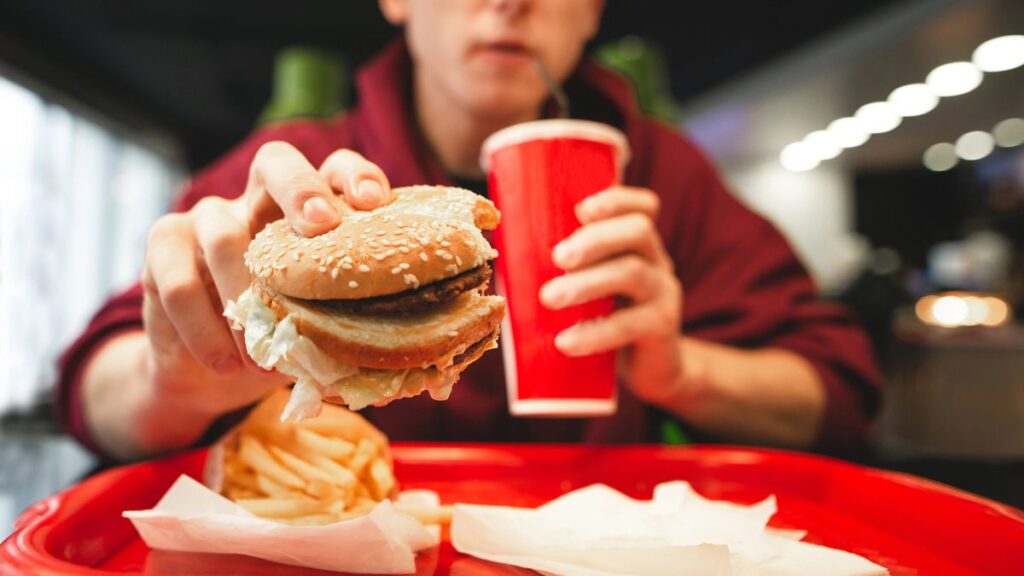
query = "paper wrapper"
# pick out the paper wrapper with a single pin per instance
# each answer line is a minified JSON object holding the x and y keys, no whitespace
{"x":195,"y":517}
{"x":192,"y":518}
{"x":597,"y":531}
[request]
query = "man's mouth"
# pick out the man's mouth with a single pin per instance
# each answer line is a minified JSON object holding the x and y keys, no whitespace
{"x":504,"y":50}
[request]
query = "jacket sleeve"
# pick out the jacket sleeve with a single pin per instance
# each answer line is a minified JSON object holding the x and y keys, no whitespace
{"x":744,"y":286}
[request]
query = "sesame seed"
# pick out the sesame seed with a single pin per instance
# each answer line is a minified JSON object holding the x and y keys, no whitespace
{"x":353,"y":284}
{"x":364,"y":268}
{"x":412,"y":279}
{"x":423,"y":256}
{"x":404,"y":250}
{"x":458,"y":261}
{"x":279,"y":266}
{"x":439,"y":252}
{"x":390,"y":252}
{"x":297,"y":255}
{"x":445,"y":243}
{"x":322,"y":269}
{"x":396,"y":270}
{"x":447,"y":256}
{"x":378,"y":257}
{"x":346,"y":265}
{"x":334,"y":273}
{"x":404,"y":265}
{"x":453,"y":333}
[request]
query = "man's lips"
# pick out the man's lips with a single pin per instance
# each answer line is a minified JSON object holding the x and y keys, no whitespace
{"x":506,"y":50}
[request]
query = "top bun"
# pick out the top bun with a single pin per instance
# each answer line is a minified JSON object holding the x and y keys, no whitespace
{"x":429,"y":233}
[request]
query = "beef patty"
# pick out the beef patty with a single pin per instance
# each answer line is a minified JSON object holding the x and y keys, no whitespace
{"x":415,"y":300}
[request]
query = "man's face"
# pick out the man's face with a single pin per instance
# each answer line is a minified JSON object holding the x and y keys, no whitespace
{"x":481,"y":54}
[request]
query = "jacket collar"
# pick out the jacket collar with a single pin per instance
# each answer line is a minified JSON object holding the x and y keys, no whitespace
{"x":389,"y":135}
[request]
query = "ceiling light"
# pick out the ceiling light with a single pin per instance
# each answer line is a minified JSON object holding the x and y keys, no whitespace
{"x":940,"y":157}
{"x":950,"y":311}
{"x":1009,"y":133}
{"x":955,"y":309}
{"x":878,"y":117}
{"x":913,"y":100}
{"x":954,"y":79}
{"x":798,"y":157}
{"x":975,"y":145}
{"x":849,"y":132}
{"x":823,"y":145}
{"x":999,"y":54}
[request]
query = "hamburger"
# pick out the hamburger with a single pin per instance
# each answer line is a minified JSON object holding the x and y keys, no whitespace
{"x":389,"y":304}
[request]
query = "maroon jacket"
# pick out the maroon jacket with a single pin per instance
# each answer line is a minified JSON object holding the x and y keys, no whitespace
{"x":743,"y":285}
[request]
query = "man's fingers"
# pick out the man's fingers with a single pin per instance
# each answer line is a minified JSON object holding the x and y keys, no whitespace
{"x":616,"y":202}
{"x":633,"y":232}
{"x":282,"y":181}
{"x":174,"y":272}
{"x":607,"y":333}
{"x":362,"y":182}
{"x":630,"y":276}
{"x":223,"y":238}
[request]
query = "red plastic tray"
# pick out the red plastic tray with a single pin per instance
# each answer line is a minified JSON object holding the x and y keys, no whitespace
{"x":909,"y":525}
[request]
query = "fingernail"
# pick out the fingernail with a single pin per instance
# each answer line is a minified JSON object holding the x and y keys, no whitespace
{"x":227,"y":365}
{"x":587,"y":205}
{"x":317,"y":210}
{"x":370,"y":191}
{"x":566,"y":339}
{"x":551,"y":297}
{"x":564,"y":254}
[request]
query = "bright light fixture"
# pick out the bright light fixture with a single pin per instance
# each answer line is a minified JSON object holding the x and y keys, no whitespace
{"x":954,"y":309}
{"x":823,"y":145}
{"x":999,"y":54}
{"x":913,"y":100}
{"x":954,"y":79}
{"x":798,"y":157}
{"x":878,"y":117}
{"x":975,"y":145}
{"x":1009,"y":132}
{"x":849,"y":132}
{"x":940,"y":157}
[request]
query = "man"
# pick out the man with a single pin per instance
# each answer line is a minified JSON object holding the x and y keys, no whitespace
{"x":720,"y":328}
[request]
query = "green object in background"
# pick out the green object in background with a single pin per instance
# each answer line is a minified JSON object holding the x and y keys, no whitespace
{"x":644,"y":64}
{"x":308,"y":82}
{"x":672,"y":432}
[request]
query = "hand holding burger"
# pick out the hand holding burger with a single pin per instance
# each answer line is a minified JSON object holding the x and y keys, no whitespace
{"x":387,"y":305}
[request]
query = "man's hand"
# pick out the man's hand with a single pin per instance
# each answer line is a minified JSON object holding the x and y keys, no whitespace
{"x":618,"y":253}
{"x":194,"y":367}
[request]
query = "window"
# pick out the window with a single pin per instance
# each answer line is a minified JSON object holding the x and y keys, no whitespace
{"x":78,"y":197}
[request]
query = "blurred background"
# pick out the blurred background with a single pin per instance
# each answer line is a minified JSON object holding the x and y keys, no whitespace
{"x":884,"y":137}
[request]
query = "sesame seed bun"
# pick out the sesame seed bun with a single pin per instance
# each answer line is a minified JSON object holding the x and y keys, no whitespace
{"x":393,"y":300}
{"x":429,"y":233}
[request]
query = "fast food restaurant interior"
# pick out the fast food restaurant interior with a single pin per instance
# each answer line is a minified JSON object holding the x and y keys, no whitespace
{"x":884,"y":138}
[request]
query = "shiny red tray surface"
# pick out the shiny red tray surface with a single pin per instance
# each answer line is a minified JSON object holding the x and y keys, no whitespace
{"x":909,"y":525}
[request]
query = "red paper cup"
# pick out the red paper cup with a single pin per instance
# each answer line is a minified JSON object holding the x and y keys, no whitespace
{"x":537,"y":173}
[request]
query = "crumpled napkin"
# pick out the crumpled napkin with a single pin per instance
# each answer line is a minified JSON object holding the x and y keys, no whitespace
{"x":191,"y":517}
{"x":598,"y":531}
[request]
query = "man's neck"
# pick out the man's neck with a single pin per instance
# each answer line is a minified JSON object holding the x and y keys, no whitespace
{"x":454,"y":134}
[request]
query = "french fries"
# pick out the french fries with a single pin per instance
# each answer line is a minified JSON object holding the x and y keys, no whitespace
{"x":327,"y":469}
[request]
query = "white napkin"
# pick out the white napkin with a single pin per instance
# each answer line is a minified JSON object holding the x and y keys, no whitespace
{"x":191,"y":517}
{"x":597,"y":531}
